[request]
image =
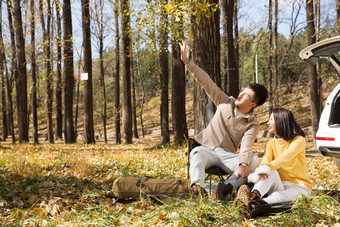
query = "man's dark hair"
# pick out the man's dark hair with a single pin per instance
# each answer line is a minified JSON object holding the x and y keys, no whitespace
{"x":261,"y":93}
{"x":286,"y":125}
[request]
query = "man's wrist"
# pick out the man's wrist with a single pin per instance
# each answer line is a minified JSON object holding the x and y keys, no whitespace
{"x":243,"y":164}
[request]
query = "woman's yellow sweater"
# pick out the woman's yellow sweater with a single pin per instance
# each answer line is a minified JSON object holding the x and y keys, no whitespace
{"x":288,"y":158}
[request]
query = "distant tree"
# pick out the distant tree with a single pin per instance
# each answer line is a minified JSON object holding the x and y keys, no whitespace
{"x":164,"y":74}
{"x":270,"y":57}
{"x":10,"y":79}
{"x":179,"y":123}
{"x":233,"y":77}
{"x":46,"y":29}
{"x":314,"y":87}
{"x":3,"y":82}
{"x":58,"y":86}
{"x":206,"y":54}
{"x":224,"y":47}
{"x":117,"y":75}
{"x":69,"y":132}
{"x":275,"y":52}
{"x":338,"y":16}
{"x":34,"y":74}
{"x":88,"y":95}
{"x":126,"y":48}
{"x":99,"y":7}
{"x":21,"y":79}
{"x":134,"y":103}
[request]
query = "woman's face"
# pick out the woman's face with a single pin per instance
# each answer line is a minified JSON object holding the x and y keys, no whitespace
{"x":271,"y":125}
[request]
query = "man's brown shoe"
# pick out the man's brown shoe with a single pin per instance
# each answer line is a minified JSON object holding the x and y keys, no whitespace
{"x":197,"y":190}
{"x":222,"y":191}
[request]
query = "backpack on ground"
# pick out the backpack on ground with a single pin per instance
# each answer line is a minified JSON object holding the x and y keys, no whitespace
{"x":134,"y":187}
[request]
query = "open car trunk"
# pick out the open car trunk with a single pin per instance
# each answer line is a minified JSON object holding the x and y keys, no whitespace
{"x":328,"y":48}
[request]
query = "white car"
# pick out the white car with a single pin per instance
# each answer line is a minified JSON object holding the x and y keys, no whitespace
{"x":328,"y":134}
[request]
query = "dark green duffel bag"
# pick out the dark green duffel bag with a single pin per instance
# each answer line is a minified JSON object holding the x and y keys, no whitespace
{"x":134,"y":187}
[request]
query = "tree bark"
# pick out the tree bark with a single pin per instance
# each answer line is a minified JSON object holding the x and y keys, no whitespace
{"x":233,"y":80}
{"x":21,"y":79}
{"x":312,"y":73}
{"x":58,"y":88}
{"x":179,"y":122}
{"x":34,"y":75}
{"x":275,"y":46}
{"x":164,"y":74}
{"x":116,"y":76}
{"x":46,"y":28}
{"x":3,"y":82}
{"x":270,"y":43}
{"x":100,"y":25}
{"x":206,"y":54}
{"x":88,"y":95}
{"x":126,"y":43}
{"x":338,"y":16}
{"x":134,"y":104}
{"x":69,"y":132}
{"x":9,"y":79}
{"x":224,"y":45}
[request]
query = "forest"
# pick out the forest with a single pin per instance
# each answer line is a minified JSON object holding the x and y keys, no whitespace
{"x":92,"y":90}
{"x":129,"y":53}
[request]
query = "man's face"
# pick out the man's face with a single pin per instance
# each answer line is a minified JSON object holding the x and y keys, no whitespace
{"x":244,"y":99}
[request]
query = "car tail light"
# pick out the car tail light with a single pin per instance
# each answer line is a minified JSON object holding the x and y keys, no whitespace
{"x":325,"y":138}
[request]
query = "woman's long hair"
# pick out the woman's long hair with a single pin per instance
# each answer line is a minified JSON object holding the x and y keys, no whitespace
{"x":286,"y":125}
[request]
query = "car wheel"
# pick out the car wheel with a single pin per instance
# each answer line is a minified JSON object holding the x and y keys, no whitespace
{"x":337,"y":162}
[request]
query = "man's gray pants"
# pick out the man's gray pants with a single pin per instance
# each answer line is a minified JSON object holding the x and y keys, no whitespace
{"x":202,"y":158}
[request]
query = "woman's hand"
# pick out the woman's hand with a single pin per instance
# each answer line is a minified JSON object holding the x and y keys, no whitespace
{"x":184,"y":57}
{"x":263,"y":176}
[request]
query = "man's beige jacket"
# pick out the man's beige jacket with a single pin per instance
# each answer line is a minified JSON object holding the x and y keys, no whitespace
{"x":225,"y":130}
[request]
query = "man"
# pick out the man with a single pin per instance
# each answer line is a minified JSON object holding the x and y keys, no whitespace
{"x":233,"y":125}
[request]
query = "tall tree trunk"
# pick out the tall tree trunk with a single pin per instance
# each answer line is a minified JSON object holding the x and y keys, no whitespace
{"x":317,"y":39}
{"x":312,"y":73}
{"x":14,"y":71}
{"x":88,"y":95}
{"x":58,"y":88}
{"x":126,"y":43}
{"x":233,"y":80}
{"x":276,"y":76}
{"x":69,"y":132}
{"x":164,"y":74}
{"x":134,"y":104}
{"x":270,"y":43}
{"x":21,"y":79}
{"x":155,"y":64}
{"x":179,"y":123}
{"x":78,"y":94}
{"x":34,"y":75}
{"x":224,"y":45}
{"x":3,"y":82}
{"x":143,"y":94}
{"x":117,"y":75}
{"x":47,"y":51}
{"x":100,"y":25}
{"x":206,"y":37}
{"x":236,"y":39}
{"x":338,"y":16}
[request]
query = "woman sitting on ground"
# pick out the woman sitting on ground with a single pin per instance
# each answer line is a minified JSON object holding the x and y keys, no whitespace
{"x":282,"y":175}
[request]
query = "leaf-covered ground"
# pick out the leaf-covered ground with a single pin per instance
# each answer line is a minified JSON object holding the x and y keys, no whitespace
{"x":65,"y":185}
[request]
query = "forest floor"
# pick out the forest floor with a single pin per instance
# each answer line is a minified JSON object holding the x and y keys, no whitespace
{"x":67,"y":185}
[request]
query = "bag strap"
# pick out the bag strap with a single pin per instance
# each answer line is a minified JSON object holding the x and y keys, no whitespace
{"x":139,"y":179}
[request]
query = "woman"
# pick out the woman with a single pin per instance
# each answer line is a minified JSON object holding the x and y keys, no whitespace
{"x":282,"y":175}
